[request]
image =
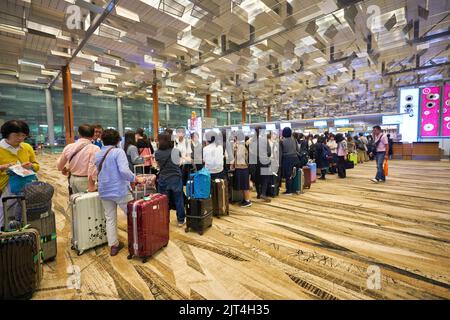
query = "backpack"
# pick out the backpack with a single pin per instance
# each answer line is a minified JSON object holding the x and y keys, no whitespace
{"x":199,"y":186}
{"x":326,"y":152}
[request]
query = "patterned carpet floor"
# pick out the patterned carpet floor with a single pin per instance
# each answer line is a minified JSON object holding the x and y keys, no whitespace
{"x":322,"y":244}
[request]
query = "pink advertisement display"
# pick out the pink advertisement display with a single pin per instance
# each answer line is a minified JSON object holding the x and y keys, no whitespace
{"x":429,"y":124}
{"x":446,"y":111}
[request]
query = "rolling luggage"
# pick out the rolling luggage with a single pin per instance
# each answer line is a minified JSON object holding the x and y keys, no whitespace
{"x":353,"y":157}
{"x":233,"y":194}
{"x":274,"y":187}
{"x":142,"y":190}
{"x":20,"y":259}
{"x":220,"y":197}
{"x":38,"y":199}
{"x":306,"y":177}
{"x":199,"y":213}
{"x":148,"y":225}
{"x":88,"y":221}
{"x":298,"y":181}
{"x":313,"y":167}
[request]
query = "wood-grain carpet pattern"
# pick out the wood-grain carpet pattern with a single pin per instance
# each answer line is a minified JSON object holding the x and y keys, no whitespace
{"x":317,"y":245}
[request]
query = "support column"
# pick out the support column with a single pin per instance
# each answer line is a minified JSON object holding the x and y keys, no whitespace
{"x":202,"y":112}
{"x":288,"y":114}
{"x":68,"y":110}
{"x":119,"y":116}
{"x":208,"y":105}
{"x":269,"y":114}
{"x":244,"y":111}
{"x":249,"y":118}
{"x":155,"y":111}
{"x":50,"y":120}
{"x":229,"y":118}
{"x":167,"y":113}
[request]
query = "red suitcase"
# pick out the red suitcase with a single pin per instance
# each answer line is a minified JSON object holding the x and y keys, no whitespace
{"x":307,"y":175}
{"x":148,"y":225}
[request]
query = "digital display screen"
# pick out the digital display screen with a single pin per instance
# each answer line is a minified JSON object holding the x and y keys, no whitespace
{"x":446,"y":112}
{"x":341,"y":122}
{"x":394,"y":119}
{"x":321,"y":123}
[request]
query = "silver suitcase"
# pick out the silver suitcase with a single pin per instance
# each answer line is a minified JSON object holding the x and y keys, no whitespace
{"x":88,"y":221}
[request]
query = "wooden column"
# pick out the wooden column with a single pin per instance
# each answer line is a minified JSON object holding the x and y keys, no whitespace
{"x":269,"y":114}
{"x":68,"y":110}
{"x":208,"y":106}
{"x":155,"y":111}
{"x":244,"y":111}
{"x":288,"y":114}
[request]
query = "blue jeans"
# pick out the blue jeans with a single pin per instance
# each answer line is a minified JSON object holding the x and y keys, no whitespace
{"x":379,"y":157}
{"x":173,"y":188}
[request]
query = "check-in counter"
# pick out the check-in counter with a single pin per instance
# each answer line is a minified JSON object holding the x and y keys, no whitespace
{"x":417,"y":151}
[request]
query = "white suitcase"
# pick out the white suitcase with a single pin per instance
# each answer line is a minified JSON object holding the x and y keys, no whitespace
{"x":88,"y":221}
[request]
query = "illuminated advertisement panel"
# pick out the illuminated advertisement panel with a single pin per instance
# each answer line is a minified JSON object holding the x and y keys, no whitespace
{"x":446,"y":112}
{"x":429,"y":121}
{"x":409,"y":107}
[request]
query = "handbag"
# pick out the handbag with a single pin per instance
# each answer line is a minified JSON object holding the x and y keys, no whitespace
{"x":18,"y":182}
{"x":386,"y":168}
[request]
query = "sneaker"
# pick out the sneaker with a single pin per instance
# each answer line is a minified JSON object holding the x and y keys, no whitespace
{"x":266,"y":199}
{"x":375,"y":180}
{"x":115,"y":249}
{"x":322,"y":178}
{"x":180,"y":224}
{"x":287,"y":193}
{"x":246,"y":204}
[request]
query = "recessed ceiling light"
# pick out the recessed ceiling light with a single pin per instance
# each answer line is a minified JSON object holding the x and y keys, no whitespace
{"x":320,"y":60}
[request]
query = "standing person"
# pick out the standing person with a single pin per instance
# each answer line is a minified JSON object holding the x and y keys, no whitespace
{"x":333,"y":149}
{"x":170,"y":180}
{"x":145,"y":149}
{"x":370,"y":148}
{"x":274,"y":145}
{"x":131,"y":150}
{"x":114,"y":177}
{"x":365,"y":142}
{"x":13,"y":149}
{"x":360,"y":149}
{"x":197,"y":152}
{"x":184,"y":146}
{"x":153,"y":144}
{"x":213,"y":156}
{"x":262,"y":177}
{"x":351,"y":146}
{"x":239,"y":163}
{"x":289,"y":159}
{"x":342,"y":155}
{"x":97,"y":138}
{"x":380,"y":152}
{"x":304,"y":149}
{"x":391,"y":146}
{"x":80,"y":160}
{"x":322,"y":157}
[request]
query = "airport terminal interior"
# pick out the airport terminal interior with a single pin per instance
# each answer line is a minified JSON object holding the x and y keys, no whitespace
{"x":310,"y":67}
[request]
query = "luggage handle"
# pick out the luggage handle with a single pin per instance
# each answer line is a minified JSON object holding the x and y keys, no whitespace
{"x":24,"y":210}
{"x":145,"y":183}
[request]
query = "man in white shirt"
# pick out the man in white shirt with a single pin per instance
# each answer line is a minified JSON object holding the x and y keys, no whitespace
{"x":213,"y":156}
{"x":184,"y":146}
{"x":365,"y":142}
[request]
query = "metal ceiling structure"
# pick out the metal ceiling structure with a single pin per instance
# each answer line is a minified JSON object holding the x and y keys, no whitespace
{"x":320,"y":58}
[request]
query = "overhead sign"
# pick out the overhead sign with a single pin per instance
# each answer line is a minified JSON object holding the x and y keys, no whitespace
{"x":320,"y":123}
{"x":271,"y":127}
{"x":394,"y":119}
{"x":341,"y":122}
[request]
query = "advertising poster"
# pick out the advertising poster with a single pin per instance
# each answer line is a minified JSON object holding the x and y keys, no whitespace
{"x":446,"y":111}
{"x":429,"y":124}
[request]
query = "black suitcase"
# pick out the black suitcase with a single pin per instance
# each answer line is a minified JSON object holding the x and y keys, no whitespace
{"x":234,"y":196}
{"x":220,"y":197}
{"x":199,"y":213}
{"x":20,"y":259}
{"x":274,"y":186}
